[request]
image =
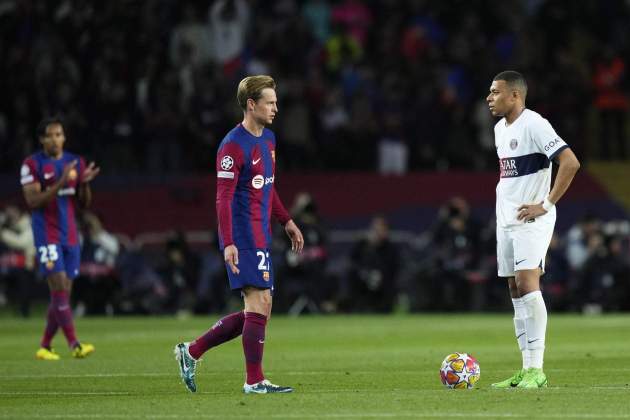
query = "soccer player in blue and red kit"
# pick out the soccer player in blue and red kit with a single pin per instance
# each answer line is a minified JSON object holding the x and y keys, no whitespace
{"x":54,"y":182}
{"x":246,"y":200}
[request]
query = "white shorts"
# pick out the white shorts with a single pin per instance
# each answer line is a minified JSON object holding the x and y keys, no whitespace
{"x":523,"y":247}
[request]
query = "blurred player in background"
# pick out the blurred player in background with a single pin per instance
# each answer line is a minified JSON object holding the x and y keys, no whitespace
{"x":246,"y":199}
{"x":526,"y":145}
{"x":54,"y":182}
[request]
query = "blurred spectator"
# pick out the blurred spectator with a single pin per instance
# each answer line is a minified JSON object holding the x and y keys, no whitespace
{"x":304,"y":281}
{"x":317,"y":14}
{"x":294,"y":126}
{"x":213,"y":289}
{"x":556,"y":280}
{"x":17,"y":258}
{"x":228,"y":21}
{"x":373,"y":275}
{"x":393,"y":152}
{"x":142,"y":289}
{"x":603,"y":282}
{"x":190,"y":34}
{"x":611,"y":102}
{"x":458,"y":276}
{"x":97,"y":286}
{"x":180,"y":274}
{"x":580,"y":245}
{"x":355,"y":17}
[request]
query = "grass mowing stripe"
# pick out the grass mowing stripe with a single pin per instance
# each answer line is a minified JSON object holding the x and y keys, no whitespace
{"x":341,"y":367}
{"x":298,"y":373}
{"x":337,"y":416}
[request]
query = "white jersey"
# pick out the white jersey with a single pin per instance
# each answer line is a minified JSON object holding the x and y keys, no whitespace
{"x":525,"y":149}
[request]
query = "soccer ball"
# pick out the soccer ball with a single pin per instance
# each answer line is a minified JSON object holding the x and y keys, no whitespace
{"x":459,"y":371}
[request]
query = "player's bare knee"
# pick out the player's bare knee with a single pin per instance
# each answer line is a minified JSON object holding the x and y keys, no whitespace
{"x":58,"y":281}
{"x":527,"y":281}
{"x":257,"y":300}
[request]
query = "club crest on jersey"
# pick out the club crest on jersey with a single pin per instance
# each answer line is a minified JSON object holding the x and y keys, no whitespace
{"x":50,"y":264}
{"x":72,"y":175}
{"x":227,"y":162}
{"x":513,"y":144}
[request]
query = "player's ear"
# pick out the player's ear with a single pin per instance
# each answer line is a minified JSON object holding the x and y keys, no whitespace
{"x":250,"y":104}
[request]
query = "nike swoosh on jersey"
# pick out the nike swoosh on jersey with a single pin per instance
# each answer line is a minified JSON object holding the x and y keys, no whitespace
{"x":255,"y":161}
{"x":49,"y":175}
{"x":518,"y":262}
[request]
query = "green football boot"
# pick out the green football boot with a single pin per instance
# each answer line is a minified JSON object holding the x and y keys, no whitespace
{"x":512,"y":381}
{"x":187,"y":366}
{"x":534,"y":378}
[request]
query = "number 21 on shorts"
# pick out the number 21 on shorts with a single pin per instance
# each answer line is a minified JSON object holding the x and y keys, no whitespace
{"x":263,"y":264}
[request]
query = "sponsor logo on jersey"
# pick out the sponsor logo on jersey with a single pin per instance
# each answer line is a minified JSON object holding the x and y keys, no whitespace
{"x":551,"y":144}
{"x":260,"y":181}
{"x":513,"y":144}
{"x":523,"y":165}
{"x":508,"y":168}
{"x":226,"y":163}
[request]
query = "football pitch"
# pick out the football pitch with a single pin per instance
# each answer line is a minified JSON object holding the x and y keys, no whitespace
{"x":342,"y":367}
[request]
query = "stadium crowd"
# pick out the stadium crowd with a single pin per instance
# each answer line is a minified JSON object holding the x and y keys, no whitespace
{"x":369,"y":85}
{"x":450,"y":267}
{"x":380,"y":85}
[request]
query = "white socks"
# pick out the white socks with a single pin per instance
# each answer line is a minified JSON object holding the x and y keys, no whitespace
{"x":535,"y":327}
{"x":530,"y":325}
{"x":520,"y":313}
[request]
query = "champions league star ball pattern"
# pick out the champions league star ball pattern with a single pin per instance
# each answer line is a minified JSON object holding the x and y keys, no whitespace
{"x":459,"y":371}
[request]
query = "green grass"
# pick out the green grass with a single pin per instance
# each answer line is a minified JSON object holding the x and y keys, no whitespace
{"x":342,"y":367}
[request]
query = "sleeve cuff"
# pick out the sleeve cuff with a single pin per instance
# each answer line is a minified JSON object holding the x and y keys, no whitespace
{"x":557,"y":152}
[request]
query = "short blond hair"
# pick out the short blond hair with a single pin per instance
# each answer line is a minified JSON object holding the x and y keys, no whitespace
{"x":251,"y":88}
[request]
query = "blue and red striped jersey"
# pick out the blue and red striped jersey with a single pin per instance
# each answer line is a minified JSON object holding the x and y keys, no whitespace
{"x":246,"y":196}
{"x":56,"y":222}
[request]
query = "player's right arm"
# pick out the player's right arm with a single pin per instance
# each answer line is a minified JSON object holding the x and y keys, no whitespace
{"x":32,"y":188}
{"x":229,"y":163}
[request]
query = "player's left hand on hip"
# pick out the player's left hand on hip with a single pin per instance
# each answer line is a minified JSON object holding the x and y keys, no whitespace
{"x":297,"y":240}
{"x":530,"y":211}
{"x":90,"y":172}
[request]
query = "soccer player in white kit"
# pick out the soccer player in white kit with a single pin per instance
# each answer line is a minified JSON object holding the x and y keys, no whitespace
{"x":526,"y":145}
